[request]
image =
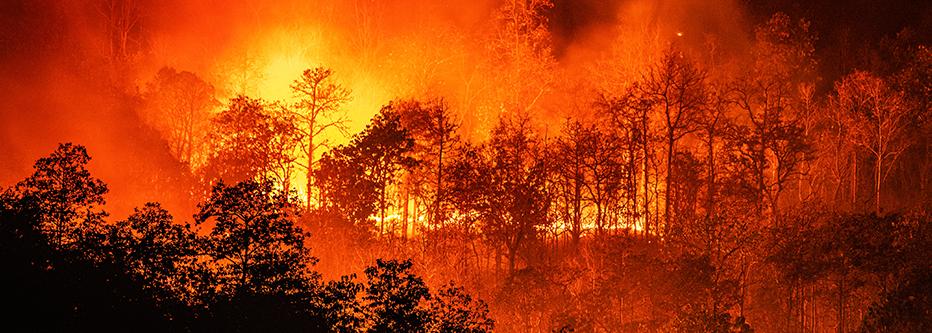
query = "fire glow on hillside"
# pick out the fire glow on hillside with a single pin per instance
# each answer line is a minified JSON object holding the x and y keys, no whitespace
{"x":449,"y":166}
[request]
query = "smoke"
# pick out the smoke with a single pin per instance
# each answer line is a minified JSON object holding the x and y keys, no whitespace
{"x":59,"y":82}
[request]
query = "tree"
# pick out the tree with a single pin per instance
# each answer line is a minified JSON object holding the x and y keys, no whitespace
{"x":394,"y":296}
{"x":711,"y":127}
{"x":383,"y":150}
{"x":702,"y":320}
{"x":905,"y":308}
{"x":434,"y":131}
{"x":676,"y":91}
{"x":452,"y":310}
{"x":520,"y":58}
{"x":569,"y":153}
{"x":67,"y":197}
{"x":877,"y":117}
{"x":630,"y":119}
{"x":591,"y":173}
{"x":159,"y":252}
{"x":251,"y":140}
{"x":764,"y":158}
{"x":253,"y":245}
{"x":341,"y":307}
{"x":317,"y":111}
{"x":121,"y":19}
{"x":606,"y":173}
{"x":768,"y":144}
{"x":345,"y":186}
{"x":514,"y":199}
{"x":179,"y":106}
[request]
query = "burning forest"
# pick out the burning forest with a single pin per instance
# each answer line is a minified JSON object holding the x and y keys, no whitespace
{"x":492,"y":165}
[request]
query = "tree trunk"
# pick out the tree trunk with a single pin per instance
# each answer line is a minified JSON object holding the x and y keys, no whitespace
{"x":854,"y":180}
{"x":439,"y":178}
{"x":646,"y":178}
{"x":382,"y":212}
{"x":512,"y":253}
{"x":877,"y":183}
{"x":710,"y":188}
{"x":310,"y":165}
{"x":668,"y":190}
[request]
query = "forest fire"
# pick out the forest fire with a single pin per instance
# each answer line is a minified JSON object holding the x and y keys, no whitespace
{"x":498,"y":165}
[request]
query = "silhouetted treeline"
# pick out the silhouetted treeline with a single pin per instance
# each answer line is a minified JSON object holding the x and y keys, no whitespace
{"x":66,"y":268}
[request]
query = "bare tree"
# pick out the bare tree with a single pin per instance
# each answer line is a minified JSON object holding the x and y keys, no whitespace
{"x":676,"y":90}
{"x":711,"y":127}
{"x":179,"y":106}
{"x":122,"y":20}
{"x":877,"y":116}
{"x":521,"y":55}
{"x":568,"y":151}
{"x":768,"y":142}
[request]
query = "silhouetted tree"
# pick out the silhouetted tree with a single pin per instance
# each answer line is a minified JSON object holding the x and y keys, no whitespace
{"x":67,"y":197}
{"x":251,"y":271}
{"x":345,"y":187}
{"x":452,"y":310}
{"x":160,"y":253}
{"x":768,"y":143}
{"x":630,"y":119}
{"x":590,"y":168}
{"x":342,"y":309}
{"x":373,"y":158}
{"x":52,"y":245}
{"x":317,"y":111}
{"x":513,"y":199}
{"x":569,"y":153}
{"x":253,"y":245}
{"x":434,"y":131}
{"x":394,"y":296}
{"x":905,"y":308}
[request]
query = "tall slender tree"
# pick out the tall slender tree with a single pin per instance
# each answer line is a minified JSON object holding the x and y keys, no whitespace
{"x":318,"y":111}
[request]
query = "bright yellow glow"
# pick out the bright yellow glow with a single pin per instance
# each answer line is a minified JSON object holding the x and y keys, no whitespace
{"x":279,"y":57}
